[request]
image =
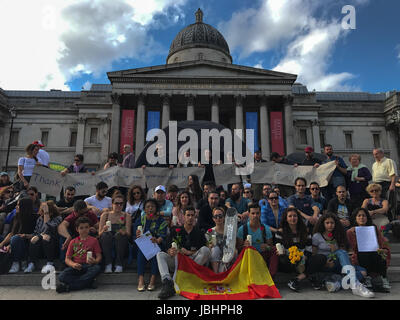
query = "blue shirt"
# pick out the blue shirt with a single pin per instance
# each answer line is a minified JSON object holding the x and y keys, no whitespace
{"x":342,"y":164}
{"x":267,"y":215}
{"x":167,"y":208}
{"x":303,"y":204}
{"x":242,"y":206}
{"x":256,"y":237}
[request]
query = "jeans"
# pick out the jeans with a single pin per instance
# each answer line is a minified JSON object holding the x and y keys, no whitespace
{"x":79,"y":279}
{"x":43,"y":248}
{"x":141,"y":263}
{"x":119,"y":242}
{"x":19,"y":248}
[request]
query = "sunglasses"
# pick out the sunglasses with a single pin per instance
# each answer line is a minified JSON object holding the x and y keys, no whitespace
{"x":312,"y":189}
{"x":247,"y":192}
{"x":273,"y":198}
{"x":375,"y":190}
{"x":218,"y":216}
{"x":77,"y":160}
{"x":119,"y":203}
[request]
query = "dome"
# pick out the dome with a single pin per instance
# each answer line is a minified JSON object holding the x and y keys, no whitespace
{"x":199,"y":35}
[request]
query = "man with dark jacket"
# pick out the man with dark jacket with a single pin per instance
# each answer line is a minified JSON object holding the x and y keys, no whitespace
{"x":341,"y":206}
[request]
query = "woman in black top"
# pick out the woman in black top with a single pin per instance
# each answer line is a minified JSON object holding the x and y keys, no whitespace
{"x":21,"y":233}
{"x":293,"y":232}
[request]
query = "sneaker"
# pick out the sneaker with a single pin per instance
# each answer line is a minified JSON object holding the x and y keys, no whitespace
{"x":62,"y":287}
{"x":385,"y":283}
{"x":333,"y":286}
{"x":29,"y":268}
{"x":118,"y":269}
{"x":294,"y":285}
{"x":167,"y":289}
{"x":362,"y":291}
{"x":14,"y":267}
{"x":108,"y":268}
{"x":47,"y":268}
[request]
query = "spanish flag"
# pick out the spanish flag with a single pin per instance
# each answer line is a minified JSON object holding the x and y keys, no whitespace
{"x":248,"y":278}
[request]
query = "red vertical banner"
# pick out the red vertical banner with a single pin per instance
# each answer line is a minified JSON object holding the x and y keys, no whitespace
{"x":277,"y":142}
{"x":127,"y":129}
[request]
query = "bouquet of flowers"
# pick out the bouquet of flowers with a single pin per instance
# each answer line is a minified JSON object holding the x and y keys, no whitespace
{"x":331,"y":256}
{"x":295,"y":255}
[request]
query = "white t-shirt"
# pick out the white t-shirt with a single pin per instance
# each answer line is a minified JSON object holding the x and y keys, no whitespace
{"x":99,"y":204}
{"x":43,"y":157}
{"x":28,"y":164}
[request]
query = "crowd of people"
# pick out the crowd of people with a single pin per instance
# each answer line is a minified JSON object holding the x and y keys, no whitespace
{"x":306,"y":230}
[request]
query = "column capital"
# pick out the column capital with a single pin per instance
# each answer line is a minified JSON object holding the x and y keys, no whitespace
{"x":215,"y":98}
{"x":315,"y":122}
{"x":239,"y":99}
{"x":263,"y":99}
{"x":116,"y":98}
{"x":82,"y":119}
{"x":190,"y":98}
{"x":166,"y":97}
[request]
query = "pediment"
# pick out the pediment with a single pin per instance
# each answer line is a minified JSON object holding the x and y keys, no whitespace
{"x":201,"y":69}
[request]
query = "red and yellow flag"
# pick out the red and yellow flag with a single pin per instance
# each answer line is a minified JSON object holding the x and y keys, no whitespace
{"x":248,"y":278}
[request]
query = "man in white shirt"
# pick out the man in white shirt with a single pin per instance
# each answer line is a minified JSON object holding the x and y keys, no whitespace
{"x":99,"y":202}
{"x":43,"y":156}
{"x":384,"y":171}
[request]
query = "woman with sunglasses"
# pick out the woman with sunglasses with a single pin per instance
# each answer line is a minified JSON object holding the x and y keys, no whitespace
{"x":153,"y":222}
{"x":376,"y":206}
{"x":76,"y":167}
{"x":118,"y":235}
{"x":134,"y":205}
{"x":218,"y":215}
{"x":272,"y":211}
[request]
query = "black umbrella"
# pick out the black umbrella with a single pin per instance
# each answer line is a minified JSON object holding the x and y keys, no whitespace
{"x":299,"y":157}
{"x":196,"y":125}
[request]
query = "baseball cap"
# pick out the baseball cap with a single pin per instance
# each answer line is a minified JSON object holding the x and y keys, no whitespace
{"x":39,"y":143}
{"x":160,"y":187}
{"x":308,"y":149}
{"x":247,"y":186}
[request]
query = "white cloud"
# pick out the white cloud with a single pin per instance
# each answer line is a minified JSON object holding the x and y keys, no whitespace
{"x":51,"y":41}
{"x":291,"y":24}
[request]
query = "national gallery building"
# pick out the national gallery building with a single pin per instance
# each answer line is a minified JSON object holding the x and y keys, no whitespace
{"x":199,"y":81}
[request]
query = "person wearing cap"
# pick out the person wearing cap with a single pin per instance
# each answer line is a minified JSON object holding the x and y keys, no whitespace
{"x":5,"y":180}
{"x":43,"y":156}
{"x":165,"y":205}
{"x":309,"y":159}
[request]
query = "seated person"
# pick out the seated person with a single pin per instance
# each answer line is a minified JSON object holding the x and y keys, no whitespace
{"x":261,"y":238}
{"x":118,"y":237}
{"x":99,"y":202}
{"x":272,"y":211}
{"x":238,"y":202}
{"x":66,"y":205}
{"x":83,"y":267}
{"x":205,"y":220}
{"x":377,"y":206}
{"x":375,"y":262}
{"x":341,"y":206}
{"x":191,"y":242}
{"x":45,"y":237}
{"x":165,"y":205}
{"x":317,"y":197}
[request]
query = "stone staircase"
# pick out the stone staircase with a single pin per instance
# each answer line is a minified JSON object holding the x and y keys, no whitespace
{"x":130,"y":277}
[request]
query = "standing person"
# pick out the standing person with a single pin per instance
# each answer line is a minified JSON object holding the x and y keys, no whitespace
{"x":128,"y":157}
{"x":293,"y":232}
{"x":191,"y":242}
{"x":27,"y":164}
{"x":377,"y":206}
{"x":309,"y":160}
{"x":66,"y":205}
{"x":329,"y":244}
{"x":118,"y":237}
{"x":272,"y":212}
{"x":218,"y":215}
{"x":261,"y":238}
{"x":22,"y":231}
{"x":43,"y":156}
{"x":82,"y":269}
{"x":338,"y":176}
{"x":178,"y":211}
{"x":45,"y":238}
{"x":238,"y":202}
{"x":99,"y":202}
{"x":5,"y":180}
{"x":77,"y":167}
{"x":194,"y":189}
{"x":341,"y":206}
{"x":205,"y":220}
{"x":112,"y":161}
{"x":134,"y":205}
{"x":153,"y":222}
{"x":384,"y":172}
{"x":376,"y":262}
{"x":358,"y":176}
{"x":208,"y":186}
{"x":208,"y":165}
{"x":317,"y":197}
{"x":304,"y":203}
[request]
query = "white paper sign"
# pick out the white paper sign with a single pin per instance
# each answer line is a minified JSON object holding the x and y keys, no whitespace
{"x":148,"y":248}
{"x":366,"y":239}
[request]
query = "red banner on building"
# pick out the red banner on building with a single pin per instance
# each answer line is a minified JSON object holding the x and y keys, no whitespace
{"x":127,"y":129}
{"x":277,"y":142}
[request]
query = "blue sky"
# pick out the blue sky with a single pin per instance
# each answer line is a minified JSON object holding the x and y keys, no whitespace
{"x":58,"y":44}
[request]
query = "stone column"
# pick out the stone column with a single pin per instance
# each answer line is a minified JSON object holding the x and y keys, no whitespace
{"x":215,"y":108}
{"x":140,"y":125}
{"x":165,"y":111}
{"x":288,"y":124}
{"x":239,"y":113}
{"x":80,"y":136}
{"x":115,"y":122}
{"x":315,"y":131}
{"x":393,"y":146}
{"x":264,"y":128}
{"x":190,"y":107}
